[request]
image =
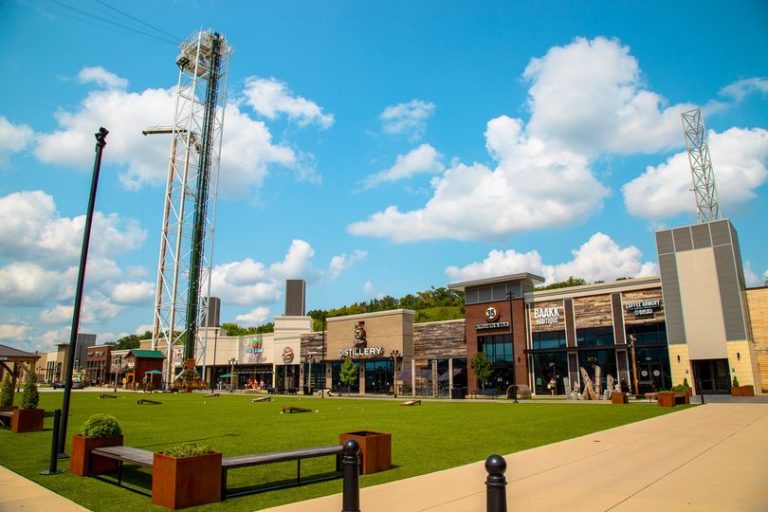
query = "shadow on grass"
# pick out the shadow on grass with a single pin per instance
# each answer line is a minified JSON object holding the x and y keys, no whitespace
{"x":281,"y":484}
{"x":179,"y":441}
{"x":134,"y":479}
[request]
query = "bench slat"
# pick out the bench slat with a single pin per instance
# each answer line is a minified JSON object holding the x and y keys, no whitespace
{"x":268,"y":458}
{"x":127,"y":454}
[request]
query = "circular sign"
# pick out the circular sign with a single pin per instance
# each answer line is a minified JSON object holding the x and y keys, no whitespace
{"x":491,"y":314}
{"x":644,"y":373}
{"x":656,"y":373}
{"x":287,"y":355}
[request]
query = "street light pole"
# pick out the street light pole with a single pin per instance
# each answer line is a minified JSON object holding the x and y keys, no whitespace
{"x":514,"y":356}
{"x":101,"y":141}
{"x":634,"y":364}
{"x":231,"y":375}
{"x":395,"y":356}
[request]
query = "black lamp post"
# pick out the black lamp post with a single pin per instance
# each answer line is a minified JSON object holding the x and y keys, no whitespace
{"x":395,"y":357}
{"x":101,"y":141}
{"x":514,"y":356}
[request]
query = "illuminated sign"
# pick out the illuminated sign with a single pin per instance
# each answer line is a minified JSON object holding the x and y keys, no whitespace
{"x":643,"y":307}
{"x":492,"y":325}
{"x":546,"y":316}
{"x":361,"y":352}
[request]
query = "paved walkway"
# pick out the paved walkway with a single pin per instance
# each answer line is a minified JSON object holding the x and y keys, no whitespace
{"x":18,"y":493}
{"x":705,"y":459}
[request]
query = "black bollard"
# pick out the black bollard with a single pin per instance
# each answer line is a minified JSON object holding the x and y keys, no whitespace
{"x":351,"y":470}
{"x":52,"y":465}
{"x":496,"y":484}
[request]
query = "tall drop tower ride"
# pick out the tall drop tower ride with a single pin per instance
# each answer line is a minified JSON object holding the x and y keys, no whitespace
{"x":187,"y":233}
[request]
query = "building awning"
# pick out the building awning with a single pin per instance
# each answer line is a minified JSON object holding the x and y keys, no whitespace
{"x":147,"y":354}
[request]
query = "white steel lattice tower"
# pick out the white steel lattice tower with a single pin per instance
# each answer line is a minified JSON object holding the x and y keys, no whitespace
{"x":187,"y":234}
{"x":707,"y":204}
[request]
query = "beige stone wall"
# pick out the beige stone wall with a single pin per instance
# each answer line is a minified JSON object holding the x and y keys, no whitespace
{"x":389,"y":330}
{"x":757,"y":301}
{"x":743,"y":364}
{"x":680,"y":370}
{"x":702,"y":309}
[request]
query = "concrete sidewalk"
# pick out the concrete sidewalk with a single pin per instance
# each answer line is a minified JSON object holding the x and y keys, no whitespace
{"x":18,"y":493}
{"x":709,"y":458}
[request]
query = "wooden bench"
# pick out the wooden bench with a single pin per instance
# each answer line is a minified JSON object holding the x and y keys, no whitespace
{"x":124,"y":454}
{"x":242,"y":461}
{"x":650,"y":396}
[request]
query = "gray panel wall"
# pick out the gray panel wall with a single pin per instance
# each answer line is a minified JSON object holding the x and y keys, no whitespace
{"x":295,"y":293}
{"x":673,"y":306}
{"x":730,"y":293}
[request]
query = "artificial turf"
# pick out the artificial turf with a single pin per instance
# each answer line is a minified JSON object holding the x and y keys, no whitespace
{"x":426,"y":438}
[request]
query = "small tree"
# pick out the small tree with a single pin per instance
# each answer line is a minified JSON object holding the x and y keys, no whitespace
{"x":31,"y":396}
{"x":483,"y":368}
{"x":6,"y":392}
{"x":348,"y":372}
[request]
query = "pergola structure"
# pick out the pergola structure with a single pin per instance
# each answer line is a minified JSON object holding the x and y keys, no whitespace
{"x":12,"y":360}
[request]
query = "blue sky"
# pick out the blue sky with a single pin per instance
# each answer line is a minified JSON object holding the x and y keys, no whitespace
{"x":371,"y":148}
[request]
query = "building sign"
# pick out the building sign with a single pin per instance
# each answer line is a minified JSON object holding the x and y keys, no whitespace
{"x":546,"y":316}
{"x":361,"y":352}
{"x":491,"y":325}
{"x":253,"y":349}
{"x":491,"y":314}
{"x":361,"y":340}
{"x":643,"y":307}
{"x":287,"y":355}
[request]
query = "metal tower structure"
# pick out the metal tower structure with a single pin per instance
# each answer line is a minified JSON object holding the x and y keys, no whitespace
{"x":187,"y":233}
{"x":707,"y":203}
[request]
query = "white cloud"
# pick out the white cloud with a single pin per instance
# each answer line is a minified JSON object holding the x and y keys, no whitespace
{"x":342,"y":262}
{"x":13,"y":332}
{"x":133,"y":293}
{"x":247,"y":148}
{"x":56,"y":336}
{"x":101,"y":77}
{"x":598,"y":259}
{"x":750,"y":277}
{"x":533,"y":186}
{"x":29,"y":284}
{"x":13,"y":138}
{"x":254,"y":317}
{"x":422,"y":160}
{"x":33,"y":230}
{"x":588,"y":96}
{"x":742,"y":88}
{"x":369,"y":289}
{"x":56,"y":315}
{"x":271,"y":97}
{"x":739,"y":159}
{"x":248,"y":282}
{"x":407,"y":118}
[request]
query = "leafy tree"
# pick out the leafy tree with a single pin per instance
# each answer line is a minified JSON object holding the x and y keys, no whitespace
{"x":348,"y":372}
{"x":6,"y":392}
{"x":31,"y":396}
{"x":131,"y":341}
{"x":482,"y":367}
{"x":571,"y":281}
{"x":234,"y":329}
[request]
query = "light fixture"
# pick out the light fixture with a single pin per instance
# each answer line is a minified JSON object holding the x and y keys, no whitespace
{"x":678,"y":358}
{"x":738,"y":356}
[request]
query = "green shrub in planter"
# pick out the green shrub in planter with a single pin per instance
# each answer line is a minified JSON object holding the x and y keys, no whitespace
{"x":31,"y":396}
{"x":6,"y":392}
{"x":101,"y":425}
{"x":187,"y":450}
{"x":735,"y":381}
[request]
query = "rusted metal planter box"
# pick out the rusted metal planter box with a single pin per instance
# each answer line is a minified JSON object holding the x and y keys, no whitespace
{"x":186,"y":482}
{"x":27,"y":420}
{"x":83,"y":464}
{"x":619,"y":397}
{"x":375,"y":449}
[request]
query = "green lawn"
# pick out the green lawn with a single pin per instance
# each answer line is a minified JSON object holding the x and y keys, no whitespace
{"x":426,"y":438}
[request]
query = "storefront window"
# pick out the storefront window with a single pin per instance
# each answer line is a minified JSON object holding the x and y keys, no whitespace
{"x":378,"y":376}
{"x":497,"y":348}
{"x":549,"y":340}
{"x":594,"y":336}
{"x":549,"y":370}
{"x":605,"y":359}
{"x":336,"y":384}
{"x":648,"y":334}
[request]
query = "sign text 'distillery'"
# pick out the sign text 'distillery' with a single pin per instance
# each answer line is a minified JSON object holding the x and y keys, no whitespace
{"x":361,"y":352}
